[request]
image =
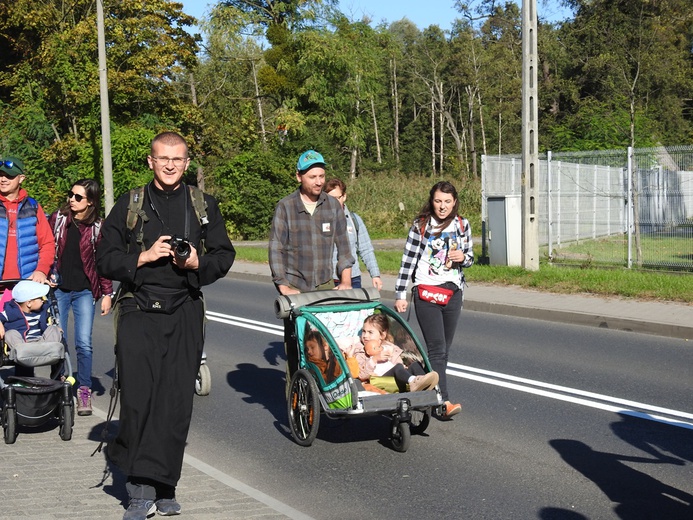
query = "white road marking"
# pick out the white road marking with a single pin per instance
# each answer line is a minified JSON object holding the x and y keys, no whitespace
{"x":561,"y":393}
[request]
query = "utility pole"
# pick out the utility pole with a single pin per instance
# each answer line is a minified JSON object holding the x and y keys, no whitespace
{"x":105,"y":115}
{"x":530,"y":139}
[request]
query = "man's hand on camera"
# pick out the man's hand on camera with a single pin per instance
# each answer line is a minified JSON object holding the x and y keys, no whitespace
{"x":190,"y":262}
{"x":160,"y":249}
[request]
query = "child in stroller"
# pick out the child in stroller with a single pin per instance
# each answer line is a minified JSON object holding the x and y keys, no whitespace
{"x":25,"y":328}
{"x":32,"y":338}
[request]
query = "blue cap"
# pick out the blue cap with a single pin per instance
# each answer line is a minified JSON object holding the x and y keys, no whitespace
{"x":309,"y":159}
{"x":28,"y":290}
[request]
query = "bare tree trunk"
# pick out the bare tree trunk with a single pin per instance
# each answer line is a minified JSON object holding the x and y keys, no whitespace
{"x":481,"y":120}
{"x":354,"y":145}
{"x":375,"y":129}
{"x":433,"y":134}
{"x":440,"y":126}
{"x":635,"y":180}
{"x":259,"y":106}
{"x":55,"y":131}
{"x":470,"y":124}
{"x":395,"y":108}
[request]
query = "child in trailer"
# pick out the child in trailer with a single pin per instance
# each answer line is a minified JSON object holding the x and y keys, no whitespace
{"x":318,"y":353}
{"x":381,"y":357}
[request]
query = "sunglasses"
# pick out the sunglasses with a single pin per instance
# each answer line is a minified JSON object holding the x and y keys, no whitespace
{"x":77,"y":196}
{"x":11,"y":164}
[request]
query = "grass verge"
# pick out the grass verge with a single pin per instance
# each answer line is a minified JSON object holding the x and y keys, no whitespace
{"x":604,"y":282}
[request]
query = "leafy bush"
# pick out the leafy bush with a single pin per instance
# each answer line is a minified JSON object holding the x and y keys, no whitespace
{"x":250,"y":185}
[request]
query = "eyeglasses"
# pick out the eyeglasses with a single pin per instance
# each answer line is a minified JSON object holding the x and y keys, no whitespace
{"x":12,"y":164}
{"x":76,"y":196}
{"x":177,"y":161}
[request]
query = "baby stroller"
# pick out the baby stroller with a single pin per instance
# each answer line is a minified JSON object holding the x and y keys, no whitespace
{"x":33,"y":401}
{"x":337,"y":315}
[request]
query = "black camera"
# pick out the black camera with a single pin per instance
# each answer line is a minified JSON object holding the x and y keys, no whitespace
{"x":180,"y":246}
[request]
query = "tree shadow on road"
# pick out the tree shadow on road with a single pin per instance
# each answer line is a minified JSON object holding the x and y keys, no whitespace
{"x":637,"y":495}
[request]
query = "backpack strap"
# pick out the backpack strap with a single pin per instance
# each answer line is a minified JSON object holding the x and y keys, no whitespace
{"x":136,"y":212}
{"x":199,"y":204}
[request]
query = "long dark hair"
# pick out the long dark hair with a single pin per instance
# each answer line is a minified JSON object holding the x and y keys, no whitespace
{"x":331,"y":366}
{"x":93,"y":191}
{"x":426,"y":212}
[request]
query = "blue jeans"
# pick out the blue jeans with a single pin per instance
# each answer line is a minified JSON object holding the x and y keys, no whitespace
{"x":355,"y":282}
{"x":83,"y":309}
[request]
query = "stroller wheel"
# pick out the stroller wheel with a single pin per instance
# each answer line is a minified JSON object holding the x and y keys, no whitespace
{"x":203,"y":382}
{"x":401,"y":436}
{"x":9,"y":425}
{"x":67,"y":420}
{"x":303,"y":408}
{"x":420,"y":420}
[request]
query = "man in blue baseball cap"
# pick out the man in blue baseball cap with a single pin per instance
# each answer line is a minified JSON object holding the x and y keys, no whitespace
{"x":306,"y":227}
{"x":27,"y":246}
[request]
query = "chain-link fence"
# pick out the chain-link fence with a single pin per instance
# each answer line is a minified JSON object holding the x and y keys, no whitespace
{"x":630,"y":207}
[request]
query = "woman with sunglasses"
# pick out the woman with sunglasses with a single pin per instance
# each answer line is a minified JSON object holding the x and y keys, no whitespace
{"x":77,"y":229}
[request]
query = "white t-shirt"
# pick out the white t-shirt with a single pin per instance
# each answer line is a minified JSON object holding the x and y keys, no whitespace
{"x":434,"y":267}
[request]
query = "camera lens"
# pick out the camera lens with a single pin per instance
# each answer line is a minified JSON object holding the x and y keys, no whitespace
{"x":182,"y":250}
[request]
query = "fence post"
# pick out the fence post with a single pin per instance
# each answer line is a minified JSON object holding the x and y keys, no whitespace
{"x":629,"y":193}
{"x":484,"y":209}
{"x":548,"y":204}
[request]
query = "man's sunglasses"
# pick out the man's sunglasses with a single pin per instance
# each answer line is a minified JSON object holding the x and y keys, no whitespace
{"x":77,"y":196}
{"x":12,"y":164}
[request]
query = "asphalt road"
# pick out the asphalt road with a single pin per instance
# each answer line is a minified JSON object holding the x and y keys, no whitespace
{"x":558,"y":422}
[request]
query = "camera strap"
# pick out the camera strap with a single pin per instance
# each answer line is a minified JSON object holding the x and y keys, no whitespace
{"x":186,"y":235}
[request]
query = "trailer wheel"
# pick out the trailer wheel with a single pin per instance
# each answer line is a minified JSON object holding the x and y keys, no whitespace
{"x":401,"y":436}
{"x":303,"y":408}
{"x":420,"y":420}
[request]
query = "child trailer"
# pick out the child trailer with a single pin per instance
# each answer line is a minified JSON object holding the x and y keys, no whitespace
{"x":34,"y":401}
{"x":337,"y":315}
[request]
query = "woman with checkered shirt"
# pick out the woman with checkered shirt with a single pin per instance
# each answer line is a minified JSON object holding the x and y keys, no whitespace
{"x":439,"y":246}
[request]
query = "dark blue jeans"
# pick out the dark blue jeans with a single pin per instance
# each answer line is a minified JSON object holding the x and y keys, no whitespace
{"x":438,"y":324}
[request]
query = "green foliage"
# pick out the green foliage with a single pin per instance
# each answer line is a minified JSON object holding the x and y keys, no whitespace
{"x":375,"y":100}
{"x":251,"y":184}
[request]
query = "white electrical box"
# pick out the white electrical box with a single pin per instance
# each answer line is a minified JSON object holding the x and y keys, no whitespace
{"x":505,"y":230}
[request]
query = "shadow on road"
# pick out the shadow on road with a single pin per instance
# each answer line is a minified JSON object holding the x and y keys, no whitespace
{"x":637,"y":495}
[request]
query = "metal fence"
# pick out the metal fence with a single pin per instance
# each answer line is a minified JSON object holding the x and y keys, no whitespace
{"x":629,"y":207}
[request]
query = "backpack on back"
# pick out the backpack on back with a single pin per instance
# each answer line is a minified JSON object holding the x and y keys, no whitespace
{"x":136,"y":212}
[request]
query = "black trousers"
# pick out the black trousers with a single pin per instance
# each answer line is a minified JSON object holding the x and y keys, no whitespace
{"x":438,"y":324}
{"x":158,"y":359}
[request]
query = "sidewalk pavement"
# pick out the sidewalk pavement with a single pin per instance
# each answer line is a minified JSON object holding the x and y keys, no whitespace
{"x":44,"y":478}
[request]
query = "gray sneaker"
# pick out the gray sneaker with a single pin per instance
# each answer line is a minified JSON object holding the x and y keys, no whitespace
{"x":425,"y":382}
{"x":140,"y":509}
{"x":168,"y":507}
